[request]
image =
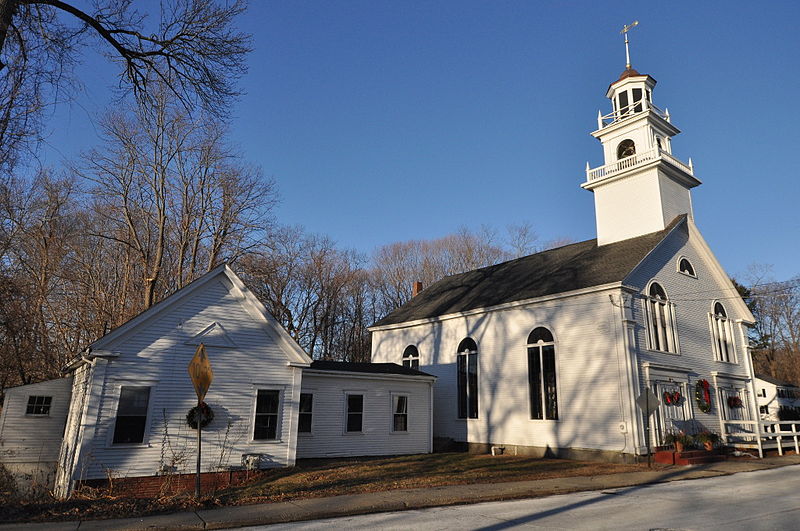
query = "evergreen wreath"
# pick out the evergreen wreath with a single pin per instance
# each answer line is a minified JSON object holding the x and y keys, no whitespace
{"x":702,"y":396}
{"x":203,"y":411}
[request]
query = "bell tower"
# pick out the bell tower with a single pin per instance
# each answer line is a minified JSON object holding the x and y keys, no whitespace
{"x":641,"y":187}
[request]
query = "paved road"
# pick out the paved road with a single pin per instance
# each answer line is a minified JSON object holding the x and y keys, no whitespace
{"x":767,"y":499}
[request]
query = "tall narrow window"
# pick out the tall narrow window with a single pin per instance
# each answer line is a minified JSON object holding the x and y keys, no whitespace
{"x":131,"y":415}
{"x":411,"y":357}
{"x":660,"y":320}
{"x":355,"y":413}
{"x":637,"y":100}
{"x":542,"y":375}
{"x":400,"y":408}
{"x":623,"y":103}
{"x":38,"y":405}
{"x":722,"y":335}
{"x":267,"y":406}
{"x":467,"y":379}
{"x":306,"y":409}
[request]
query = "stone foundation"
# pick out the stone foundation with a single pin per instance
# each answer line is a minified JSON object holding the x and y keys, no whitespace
{"x":580,"y":454}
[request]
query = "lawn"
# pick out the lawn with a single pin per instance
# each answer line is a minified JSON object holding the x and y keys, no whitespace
{"x":313,"y":478}
{"x":332,"y":477}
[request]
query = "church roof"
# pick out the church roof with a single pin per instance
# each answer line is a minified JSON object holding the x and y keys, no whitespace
{"x":568,"y":268}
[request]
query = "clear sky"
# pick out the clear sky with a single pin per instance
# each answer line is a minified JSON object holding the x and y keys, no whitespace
{"x":394,"y":120}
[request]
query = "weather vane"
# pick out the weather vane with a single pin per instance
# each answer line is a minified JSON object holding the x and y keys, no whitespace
{"x":625,"y":30}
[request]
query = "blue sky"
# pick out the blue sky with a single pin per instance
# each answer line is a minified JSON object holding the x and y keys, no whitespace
{"x":384,"y":121}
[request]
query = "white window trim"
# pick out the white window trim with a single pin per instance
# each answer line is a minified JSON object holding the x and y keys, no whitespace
{"x":722,"y":328}
{"x":311,"y":432}
{"x":112,"y":426}
{"x":671,"y":329}
{"x":678,"y":267}
{"x":392,"y":396}
{"x":558,"y":379}
{"x":278,"y":424}
{"x":37,"y":415}
{"x":345,"y":394}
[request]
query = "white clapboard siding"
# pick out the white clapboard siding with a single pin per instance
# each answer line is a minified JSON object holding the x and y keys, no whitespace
{"x":693,"y":299}
{"x":328,"y":437}
{"x":156,"y":353}
{"x":33,"y":438}
{"x":587,"y":376}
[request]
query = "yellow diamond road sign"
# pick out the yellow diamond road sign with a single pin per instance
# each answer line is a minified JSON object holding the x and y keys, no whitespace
{"x":201,"y":373}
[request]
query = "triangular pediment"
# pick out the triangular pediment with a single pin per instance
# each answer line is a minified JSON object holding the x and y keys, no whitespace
{"x":214,"y":335}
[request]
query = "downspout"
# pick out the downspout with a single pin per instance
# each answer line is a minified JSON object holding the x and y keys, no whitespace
{"x":430,"y":416}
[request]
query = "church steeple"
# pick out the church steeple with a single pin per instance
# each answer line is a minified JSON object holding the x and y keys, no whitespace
{"x":641,"y":187}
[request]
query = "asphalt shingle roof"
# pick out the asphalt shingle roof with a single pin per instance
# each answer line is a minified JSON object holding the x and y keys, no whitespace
{"x":568,"y":268}
{"x":370,"y":368}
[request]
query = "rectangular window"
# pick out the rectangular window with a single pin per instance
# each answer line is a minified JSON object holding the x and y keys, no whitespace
{"x":762,"y":409}
{"x":306,"y":408}
{"x":411,"y":363}
{"x":637,"y":100}
{"x":400,"y":408}
{"x":266,"y":422}
{"x":355,"y":412}
{"x":542,"y":382}
{"x":468,"y":385}
{"x":38,"y":405}
{"x":722,"y":338}
{"x":623,"y":102}
{"x":131,"y":415}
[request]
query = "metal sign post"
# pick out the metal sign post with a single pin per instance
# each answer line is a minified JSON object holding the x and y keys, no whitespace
{"x":648,"y":402}
{"x":202,"y":375}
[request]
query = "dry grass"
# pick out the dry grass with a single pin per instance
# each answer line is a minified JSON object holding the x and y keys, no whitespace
{"x":311,"y":479}
{"x":316,"y":478}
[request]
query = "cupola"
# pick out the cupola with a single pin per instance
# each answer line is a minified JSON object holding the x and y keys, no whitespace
{"x":641,"y":187}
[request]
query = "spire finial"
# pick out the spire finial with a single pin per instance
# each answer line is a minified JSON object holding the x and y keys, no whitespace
{"x":625,"y":30}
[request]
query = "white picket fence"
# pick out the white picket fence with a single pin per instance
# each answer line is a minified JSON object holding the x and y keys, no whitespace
{"x":761,"y":434}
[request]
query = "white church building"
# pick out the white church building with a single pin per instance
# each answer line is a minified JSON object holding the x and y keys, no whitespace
{"x":547,"y":354}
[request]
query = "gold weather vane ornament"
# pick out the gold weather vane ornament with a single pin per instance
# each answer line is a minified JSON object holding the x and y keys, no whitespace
{"x":625,"y":30}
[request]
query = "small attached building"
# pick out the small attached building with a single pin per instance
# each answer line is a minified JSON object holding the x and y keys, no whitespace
{"x":31,"y":429}
{"x":349,"y":409}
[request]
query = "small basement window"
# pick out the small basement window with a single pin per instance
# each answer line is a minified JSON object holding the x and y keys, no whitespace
{"x":38,"y":405}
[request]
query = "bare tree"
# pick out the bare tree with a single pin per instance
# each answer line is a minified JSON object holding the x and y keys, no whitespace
{"x":189,"y":46}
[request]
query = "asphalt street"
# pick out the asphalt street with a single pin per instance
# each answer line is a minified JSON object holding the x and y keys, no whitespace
{"x":765,"y":499}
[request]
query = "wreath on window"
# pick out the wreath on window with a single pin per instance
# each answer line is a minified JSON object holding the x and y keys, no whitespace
{"x":672,"y":399}
{"x":702,"y":395}
{"x":203,"y":412}
{"x":735,"y":401}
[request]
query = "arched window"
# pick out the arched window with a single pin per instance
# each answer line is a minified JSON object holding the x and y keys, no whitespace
{"x":467,"y":362}
{"x":660,"y":314}
{"x":722,"y":334}
{"x":411,"y":357}
{"x":685,"y":267}
{"x":626,"y":148}
{"x":542,"y":374}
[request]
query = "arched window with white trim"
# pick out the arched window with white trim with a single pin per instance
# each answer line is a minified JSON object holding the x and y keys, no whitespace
{"x":467,"y":363}
{"x":721,"y":334}
{"x":411,"y":357}
{"x":542,"y":374}
{"x":660,"y":317}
